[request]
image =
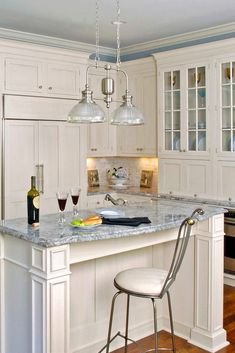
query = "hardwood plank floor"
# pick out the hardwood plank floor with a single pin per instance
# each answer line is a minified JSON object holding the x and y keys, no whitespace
{"x":182,"y":346}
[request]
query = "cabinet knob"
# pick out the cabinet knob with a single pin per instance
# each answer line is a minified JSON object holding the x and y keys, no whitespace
{"x":50,"y":88}
{"x":230,"y":199}
{"x":195,"y":195}
{"x":40,"y":87}
{"x":93,"y":149}
{"x":98,"y":202}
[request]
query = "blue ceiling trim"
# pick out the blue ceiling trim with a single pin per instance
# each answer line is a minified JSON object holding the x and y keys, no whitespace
{"x":144,"y":54}
{"x":147,"y":53}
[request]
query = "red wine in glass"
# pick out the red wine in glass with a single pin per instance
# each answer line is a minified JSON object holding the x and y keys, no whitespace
{"x":75,"y":193}
{"x":62,"y":204}
{"x":75,"y":199}
{"x":62,"y":197}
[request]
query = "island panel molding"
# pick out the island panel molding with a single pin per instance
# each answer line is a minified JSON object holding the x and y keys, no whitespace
{"x":50,"y":281}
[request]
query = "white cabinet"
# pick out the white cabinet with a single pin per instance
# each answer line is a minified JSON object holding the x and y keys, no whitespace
{"x":140,"y":140}
{"x":57,"y":147}
{"x":226,"y":177}
{"x":40,"y":77}
{"x":225,"y":106}
{"x":101,"y":136}
{"x":194,"y":178}
{"x":183,"y":100}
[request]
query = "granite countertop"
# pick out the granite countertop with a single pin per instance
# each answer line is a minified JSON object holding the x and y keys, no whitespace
{"x":152,"y":193}
{"x":164,"y":214}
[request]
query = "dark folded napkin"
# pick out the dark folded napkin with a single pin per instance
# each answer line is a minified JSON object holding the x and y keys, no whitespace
{"x":135,"y":221}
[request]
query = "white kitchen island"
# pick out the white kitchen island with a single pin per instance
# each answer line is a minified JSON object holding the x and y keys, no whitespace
{"x":57,"y":283}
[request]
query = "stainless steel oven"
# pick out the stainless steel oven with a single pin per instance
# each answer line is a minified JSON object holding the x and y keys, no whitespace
{"x":229,"y":241}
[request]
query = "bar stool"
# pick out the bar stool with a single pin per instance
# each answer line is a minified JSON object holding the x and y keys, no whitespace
{"x":152,"y":283}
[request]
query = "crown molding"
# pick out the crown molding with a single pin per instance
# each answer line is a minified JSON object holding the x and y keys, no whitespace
{"x":180,"y":38}
{"x":32,"y":38}
{"x":37,"y":39}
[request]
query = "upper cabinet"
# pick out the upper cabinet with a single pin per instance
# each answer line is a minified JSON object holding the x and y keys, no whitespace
{"x":40,"y":77}
{"x":183,"y":110}
{"x":101,"y":136}
{"x":225,"y":74}
{"x":140,"y":140}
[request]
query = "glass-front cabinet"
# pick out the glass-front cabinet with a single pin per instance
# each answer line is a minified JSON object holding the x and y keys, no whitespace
{"x":227,"y":106}
{"x":183,"y":107}
{"x":172,"y":110}
{"x":196,"y":108}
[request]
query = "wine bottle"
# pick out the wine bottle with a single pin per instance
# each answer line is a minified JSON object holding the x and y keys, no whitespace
{"x":33,"y":203}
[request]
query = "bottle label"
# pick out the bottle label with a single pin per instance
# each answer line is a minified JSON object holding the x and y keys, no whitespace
{"x":36,"y":202}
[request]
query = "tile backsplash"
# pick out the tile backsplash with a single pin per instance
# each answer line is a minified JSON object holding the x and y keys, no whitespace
{"x":134,"y":166}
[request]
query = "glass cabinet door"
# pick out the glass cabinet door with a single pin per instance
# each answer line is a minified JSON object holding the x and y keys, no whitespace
{"x":196,"y":109}
{"x":172,"y":110}
{"x":228,"y":106}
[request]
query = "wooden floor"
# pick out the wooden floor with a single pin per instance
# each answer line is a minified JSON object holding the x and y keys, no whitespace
{"x":183,"y":346}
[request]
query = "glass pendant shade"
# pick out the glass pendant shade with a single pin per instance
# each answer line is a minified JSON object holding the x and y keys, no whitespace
{"x":127,"y":113}
{"x":86,"y":110}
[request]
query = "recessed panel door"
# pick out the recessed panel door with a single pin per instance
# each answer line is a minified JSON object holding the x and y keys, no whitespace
{"x":21,"y":158}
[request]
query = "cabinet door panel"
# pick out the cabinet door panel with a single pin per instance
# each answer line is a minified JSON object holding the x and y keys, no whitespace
{"x":198,"y":179}
{"x":50,"y":159}
{"x":70,"y":168}
{"x":170,"y":176}
{"x":21,"y":156}
{"x":226,"y":177}
{"x":62,"y":79}
{"x":141,"y":140}
{"x":23,"y":75}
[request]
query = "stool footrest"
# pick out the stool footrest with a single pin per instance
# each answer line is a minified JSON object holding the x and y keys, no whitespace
{"x":122,"y":336}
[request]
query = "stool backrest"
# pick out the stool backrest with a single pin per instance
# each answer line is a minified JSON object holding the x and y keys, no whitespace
{"x":180,"y":249}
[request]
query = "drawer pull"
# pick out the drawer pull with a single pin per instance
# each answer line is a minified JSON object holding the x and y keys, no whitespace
{"x":50,"y":88}
{"x":40,"y":87}
{"x":93,"y":149}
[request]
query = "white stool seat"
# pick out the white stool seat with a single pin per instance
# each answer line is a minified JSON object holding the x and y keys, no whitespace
{"x":143,"y":281}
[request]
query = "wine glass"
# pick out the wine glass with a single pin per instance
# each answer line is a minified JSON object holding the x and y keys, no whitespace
{"x":75,"y":193}
{"x":62,"y":197}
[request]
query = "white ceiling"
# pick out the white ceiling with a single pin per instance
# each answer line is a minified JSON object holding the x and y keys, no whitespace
{"x":147,"y":20}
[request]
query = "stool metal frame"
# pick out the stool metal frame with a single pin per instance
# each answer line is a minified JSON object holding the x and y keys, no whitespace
{"x":178,"y":255}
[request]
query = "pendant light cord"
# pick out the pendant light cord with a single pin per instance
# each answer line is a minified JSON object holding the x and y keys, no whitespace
{"x":97,"y":33}
{"x":118,"y":35}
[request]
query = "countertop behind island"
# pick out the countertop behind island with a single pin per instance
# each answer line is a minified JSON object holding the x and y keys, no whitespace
{"x":163,"y":214}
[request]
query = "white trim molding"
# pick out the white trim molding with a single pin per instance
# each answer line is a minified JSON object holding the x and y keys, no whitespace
{"x":32,"y":38}
{"x":180,"y":38}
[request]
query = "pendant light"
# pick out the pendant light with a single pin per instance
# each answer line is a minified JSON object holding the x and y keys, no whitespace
{"x":86,"y":110}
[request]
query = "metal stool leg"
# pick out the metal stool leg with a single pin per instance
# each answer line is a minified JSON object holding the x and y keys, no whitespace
{"x":171,"y":322}
{"x":127,"y":321}
{"x":111,"y":321}
{"x":155,"y":325}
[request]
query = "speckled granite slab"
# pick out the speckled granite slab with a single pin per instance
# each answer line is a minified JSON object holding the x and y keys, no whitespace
{"x":164,"y":214}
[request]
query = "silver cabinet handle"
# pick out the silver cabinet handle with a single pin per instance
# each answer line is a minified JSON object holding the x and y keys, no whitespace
{"x":40,"y":177}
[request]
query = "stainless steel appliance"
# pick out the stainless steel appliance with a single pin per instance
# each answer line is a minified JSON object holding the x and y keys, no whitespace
{"x":229,"y":241}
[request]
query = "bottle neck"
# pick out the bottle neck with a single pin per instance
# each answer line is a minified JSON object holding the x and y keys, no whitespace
{"x":33,"y":182}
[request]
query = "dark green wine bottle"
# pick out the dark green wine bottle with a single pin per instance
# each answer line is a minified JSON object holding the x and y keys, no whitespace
{"x":33,"y":202}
